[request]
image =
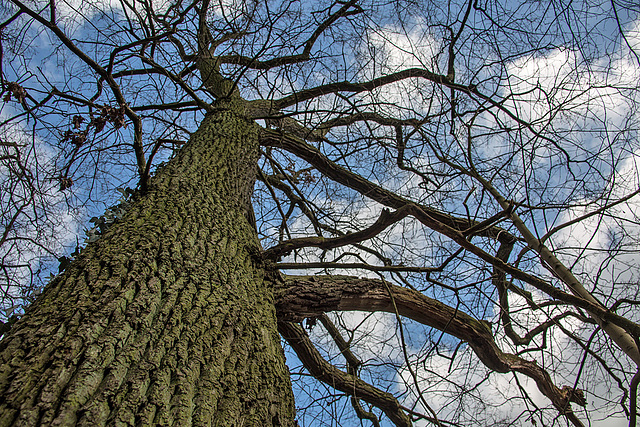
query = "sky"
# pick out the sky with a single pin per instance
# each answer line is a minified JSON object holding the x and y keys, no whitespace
{"x":595,"y":96}
{"x":597,"y":90}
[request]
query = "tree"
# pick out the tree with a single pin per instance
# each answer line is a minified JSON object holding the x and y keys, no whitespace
{"x":466,"y":168}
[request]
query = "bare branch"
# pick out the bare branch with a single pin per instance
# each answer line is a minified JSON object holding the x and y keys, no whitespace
{"x":330,"y":375}
{"x":385,"y":220}
{"x":349,"y":8}
{"x":310,"y":296}
{"x":339,"y":174}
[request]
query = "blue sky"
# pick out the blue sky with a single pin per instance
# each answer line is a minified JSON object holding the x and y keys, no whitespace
{"x":579,"y":96}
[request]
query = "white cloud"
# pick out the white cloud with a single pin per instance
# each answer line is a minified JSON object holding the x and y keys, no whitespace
{"x":590,"y":91}
{"x":603,"y":248}
{"x":594,"y":96}
{"x":389,"y":49}
{"x":397,"y":48}
{"x":41,"y":221}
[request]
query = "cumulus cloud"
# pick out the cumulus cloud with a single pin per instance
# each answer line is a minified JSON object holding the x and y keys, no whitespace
{"x":596,"y":98}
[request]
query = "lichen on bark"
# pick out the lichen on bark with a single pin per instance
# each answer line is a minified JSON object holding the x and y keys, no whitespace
{"x":167,"y":319}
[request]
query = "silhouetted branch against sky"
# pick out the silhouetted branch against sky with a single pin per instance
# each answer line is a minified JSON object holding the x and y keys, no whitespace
{"x":452,"y":185}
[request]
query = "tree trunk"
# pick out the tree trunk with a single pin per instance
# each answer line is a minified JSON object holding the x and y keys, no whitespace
{"x":167,"y":319}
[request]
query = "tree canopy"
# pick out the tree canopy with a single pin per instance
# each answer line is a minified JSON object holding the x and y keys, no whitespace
{"x":447,"y":191}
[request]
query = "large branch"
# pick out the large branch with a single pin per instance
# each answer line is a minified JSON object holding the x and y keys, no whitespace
{"x":365,"y":187}
{"x":347,"y":86}
{"x":446,"y":81}
{"x":448,"y":225}
{"x":310,"y":296}
{"x":625,"y":338}
{"x":356,"y":265}
{"x":371,"y":117}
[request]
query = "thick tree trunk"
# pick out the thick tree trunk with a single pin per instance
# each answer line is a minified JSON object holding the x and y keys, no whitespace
{"x":167,"y":319}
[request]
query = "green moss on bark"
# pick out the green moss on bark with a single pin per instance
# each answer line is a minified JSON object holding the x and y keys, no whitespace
{"x":166,"y":320}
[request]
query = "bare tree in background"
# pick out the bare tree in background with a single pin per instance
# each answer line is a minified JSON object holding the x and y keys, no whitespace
{"x":433,"y":204}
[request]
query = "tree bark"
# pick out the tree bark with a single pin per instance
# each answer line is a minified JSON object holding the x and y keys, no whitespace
{"x":167,"y":319}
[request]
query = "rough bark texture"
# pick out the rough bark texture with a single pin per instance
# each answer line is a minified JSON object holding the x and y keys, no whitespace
{"x":167,"y":319}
